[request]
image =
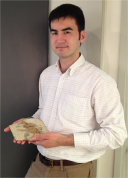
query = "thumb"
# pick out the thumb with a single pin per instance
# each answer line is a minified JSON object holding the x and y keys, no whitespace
{"x":38,"y":137}
{"x":7,"y":129}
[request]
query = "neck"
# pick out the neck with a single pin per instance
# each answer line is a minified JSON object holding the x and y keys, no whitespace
{"x":65,"y":63}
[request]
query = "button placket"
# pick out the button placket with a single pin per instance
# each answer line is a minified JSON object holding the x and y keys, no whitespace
{"x":56,"y":101}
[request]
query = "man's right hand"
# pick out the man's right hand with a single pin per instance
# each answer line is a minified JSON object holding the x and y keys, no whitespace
{"x":7,"y":129}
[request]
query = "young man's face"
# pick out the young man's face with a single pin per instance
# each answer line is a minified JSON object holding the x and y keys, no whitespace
{"x":64,"y":37}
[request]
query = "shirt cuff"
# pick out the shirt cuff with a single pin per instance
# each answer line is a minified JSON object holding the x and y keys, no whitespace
{"x":81,"y":140}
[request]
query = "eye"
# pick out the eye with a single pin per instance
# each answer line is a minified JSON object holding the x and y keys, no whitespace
{"x":67,"y":32}
{"x":54,"y":33}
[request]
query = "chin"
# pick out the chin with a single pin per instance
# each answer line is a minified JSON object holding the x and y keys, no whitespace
{"x":63,"y":56}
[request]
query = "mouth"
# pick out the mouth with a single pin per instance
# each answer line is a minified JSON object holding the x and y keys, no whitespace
{"x":61,"y":47}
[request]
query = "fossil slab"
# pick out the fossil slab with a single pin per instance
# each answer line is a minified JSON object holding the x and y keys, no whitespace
{"x":26,"y":129}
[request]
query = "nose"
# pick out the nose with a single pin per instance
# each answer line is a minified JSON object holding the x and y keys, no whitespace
{"x":60,"y":38}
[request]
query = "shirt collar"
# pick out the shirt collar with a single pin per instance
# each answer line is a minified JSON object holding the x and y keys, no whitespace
{"x":79,"y":62}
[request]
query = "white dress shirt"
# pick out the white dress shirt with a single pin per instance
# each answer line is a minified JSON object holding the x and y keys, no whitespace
{"x":74,"y":103}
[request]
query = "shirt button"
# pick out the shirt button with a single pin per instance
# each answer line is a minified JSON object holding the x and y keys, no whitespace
{"x":62,"y":79}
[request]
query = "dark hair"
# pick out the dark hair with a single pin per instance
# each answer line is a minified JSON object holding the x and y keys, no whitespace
{"x":68,"y":10}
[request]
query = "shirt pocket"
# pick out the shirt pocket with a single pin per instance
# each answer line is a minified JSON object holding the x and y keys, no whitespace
{"x":73,"y":107}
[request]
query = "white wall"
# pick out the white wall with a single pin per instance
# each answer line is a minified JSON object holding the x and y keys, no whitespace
{"x":91,"y":48}
{"x":121,"y":154}
{"x":109,"y":63}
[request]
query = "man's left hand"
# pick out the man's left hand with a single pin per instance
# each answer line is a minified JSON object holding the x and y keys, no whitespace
{"x":53,"y":139}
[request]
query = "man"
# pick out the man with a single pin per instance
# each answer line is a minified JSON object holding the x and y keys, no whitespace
{"x":74,"y":96}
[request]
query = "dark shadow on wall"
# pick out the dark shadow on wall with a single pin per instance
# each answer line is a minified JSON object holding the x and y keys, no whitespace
{"x":24,"y":54}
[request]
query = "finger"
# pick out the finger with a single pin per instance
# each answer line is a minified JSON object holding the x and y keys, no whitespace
{"x":18,"y":120}
{"x":7,"y":129}
{"x":36,"y":142}
{"x":29,"y":142}
{"x":23,"y":142}
{"x":38,"y":137}
{"x":19,"y":142}
{"x":14,"y":141}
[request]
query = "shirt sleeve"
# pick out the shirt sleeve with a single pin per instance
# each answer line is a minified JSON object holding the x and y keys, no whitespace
{"x":109,"y":115}
{"x":38,"y":112}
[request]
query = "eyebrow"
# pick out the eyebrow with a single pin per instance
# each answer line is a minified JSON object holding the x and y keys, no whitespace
{"x":63,"y":29}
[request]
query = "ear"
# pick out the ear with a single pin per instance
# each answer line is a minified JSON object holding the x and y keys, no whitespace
{"x":82,"y":36}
